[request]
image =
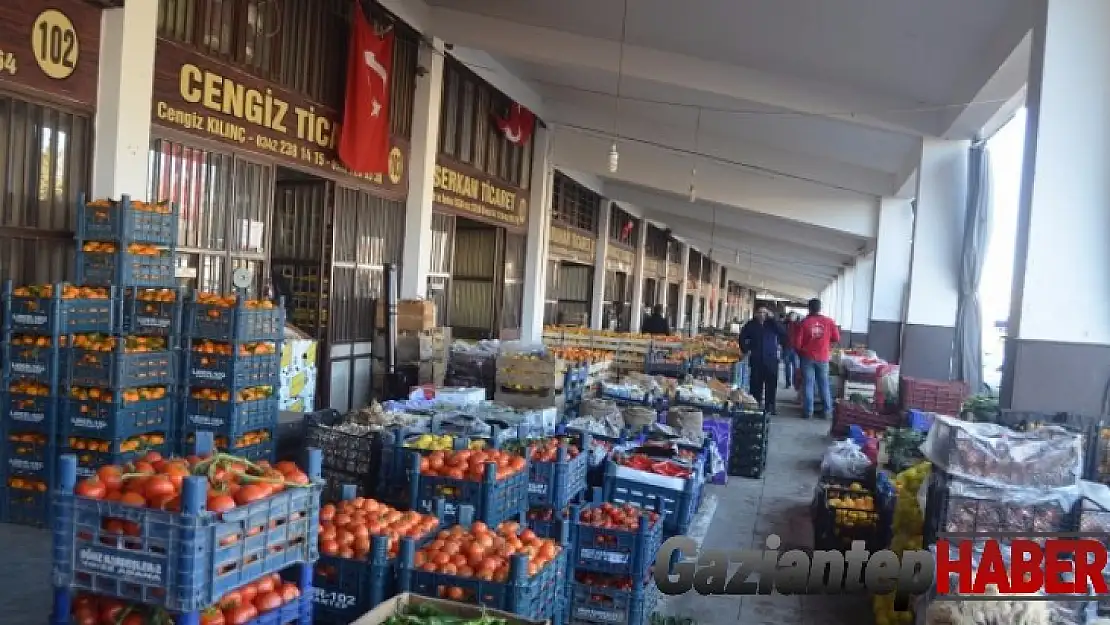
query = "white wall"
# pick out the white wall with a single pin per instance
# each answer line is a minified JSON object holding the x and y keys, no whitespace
{"x":861,"y":300}
{"x":892,"y":259}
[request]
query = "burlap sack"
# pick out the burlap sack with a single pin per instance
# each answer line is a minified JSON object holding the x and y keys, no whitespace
{"x":637,"y":417}
{"x":597,"y":408}
{"x":686,"y":421}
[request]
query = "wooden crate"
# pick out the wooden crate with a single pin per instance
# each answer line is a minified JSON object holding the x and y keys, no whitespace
{"x":412,"y":315}
{"x":531,"y":372}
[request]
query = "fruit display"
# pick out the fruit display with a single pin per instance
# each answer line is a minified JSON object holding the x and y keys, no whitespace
{"x":547,"y":450}
{"x":131,"y":344}
{"x":908,"y":522}
{"x":162,"y":296}
{"x":854,"y":507}
{"x":29,"y":387}
{"x":260,"y":348}
{"x":624,"y":517}
{"x":426,"y":614}
{"x":643,"y":462}
{"x":67,"y":291}
{"x":163,"y":207}
{"x":248,"y":439}
{"x":254,"y":393}
{"x":470,"y":464}
{"x":580,"y":354}
{"x":439,"y":442}
{"x":42,"y":342}
{"x":138,"y":249}
{"x":346,"y":528}
{"x":241,"y":606}
{"x":127,"y":396}
{"x":483,"y":553}
{"x":229,"y":301}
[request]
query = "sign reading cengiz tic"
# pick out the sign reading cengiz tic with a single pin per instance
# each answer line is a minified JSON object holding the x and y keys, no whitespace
{"x":467,"y":192}
{"x":206,"y":98}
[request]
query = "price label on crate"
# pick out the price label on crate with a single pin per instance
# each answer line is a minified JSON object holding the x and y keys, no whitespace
{"x":129,"y":567}
{"x":537,"y":488}
{"x":29,"y":320}
{"x":152,"y":322}
{"x":88,"y":424}
{"x":29,"y":368}
{"x":612,"y":557}
{"x":25,"y":465}
{"x":27,"y":417}
{"x":205,"y":421}
{"x":599,"y":616}
{"x":208,"y":374}
{"x":334,"y":600}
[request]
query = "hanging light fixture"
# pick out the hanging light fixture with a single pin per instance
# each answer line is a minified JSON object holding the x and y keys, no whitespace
{"x":614,"y":156}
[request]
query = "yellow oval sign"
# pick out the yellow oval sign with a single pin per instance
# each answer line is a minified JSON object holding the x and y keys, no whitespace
{"x":396,"y":165}
{"x":54,"y":43}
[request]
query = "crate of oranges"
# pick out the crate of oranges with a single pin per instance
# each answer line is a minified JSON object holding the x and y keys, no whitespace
{"x":35,"y":359}
{"x":104,"y":263}
{"x":128,"y":221}
{"x":55,"y":309}
{"x":116,"y":414}
{"x":93,"y":452}
{"x":152,"y":312}
{"x":216,"y":364}
{"x":25,"y":501}
{"x":255,"y":445}
{"x":230,"y":413}
{"x":233,"y":319}
{"x":492,"y":481}
{"x":128,"y":362}
{"x":29,"y":405}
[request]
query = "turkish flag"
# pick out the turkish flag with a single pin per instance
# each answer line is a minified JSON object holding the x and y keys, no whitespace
{"x":519,"y":126}
{"x":364,"y":137}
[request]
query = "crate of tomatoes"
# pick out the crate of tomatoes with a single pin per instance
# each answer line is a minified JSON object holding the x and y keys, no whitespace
{"x":556,"y":471}
{"x":492,"y":481}
{"x":179,"y":533}
{"x":615,"y":539}
{"x":668,"y":486}
{"x":503,"y":568}
{"x":599,"y":598}
{"x":547,"y":522}
{"x":359,"y":543}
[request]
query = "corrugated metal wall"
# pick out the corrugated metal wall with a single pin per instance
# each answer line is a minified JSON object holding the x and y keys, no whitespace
{"x":512,"y":304}
{"x":473,"y":297}
{"x":302,"y":233}
{"x":44,"y":166}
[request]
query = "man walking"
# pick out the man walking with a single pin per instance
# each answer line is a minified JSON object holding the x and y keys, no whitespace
{"x":789,"y":354}
{"x":813,"y":340}
{"x":760,"y":340}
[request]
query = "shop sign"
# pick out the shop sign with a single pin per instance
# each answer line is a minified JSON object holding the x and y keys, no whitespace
{"x":467,"y":192}
{"x":203,"y":97}
{"x":674,"y":272}
{"x":619,"y":259}
{"x":691,"y":286}
{"x":52,"y":50}
{"x":653,"y":267}
{"x":571,"y":245}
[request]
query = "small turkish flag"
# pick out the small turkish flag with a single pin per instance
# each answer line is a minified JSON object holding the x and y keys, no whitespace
{"x":364,"y":137}
{"x":519,"y":126}
{"x":626,"y":231}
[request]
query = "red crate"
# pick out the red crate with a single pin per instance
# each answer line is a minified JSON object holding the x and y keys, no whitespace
{"x":939,"y":396}
{"x":849,"y":413}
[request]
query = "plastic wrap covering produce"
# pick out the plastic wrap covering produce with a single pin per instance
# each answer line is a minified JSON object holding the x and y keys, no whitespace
{"x":378,"y":417}
{"x":686,"y":421}
{"x":973,"y":507}
{"x":845,"y":459}
{"x":1047,"y":457}
{"x":472,"y":364}
{"x":888,"y":382}
{"x":668,"y":435}
{"x":624,"y":390}
{"x":637,"y":418}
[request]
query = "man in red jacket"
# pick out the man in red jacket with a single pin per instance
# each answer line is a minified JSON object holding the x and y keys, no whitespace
{"x":813,"y":340}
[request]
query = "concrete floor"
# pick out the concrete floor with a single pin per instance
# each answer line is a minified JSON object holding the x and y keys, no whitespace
{"x":736,"y":516}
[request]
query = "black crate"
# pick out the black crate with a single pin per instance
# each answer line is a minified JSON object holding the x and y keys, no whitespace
{"x":348,"y":454}
{"x":873,"y":524}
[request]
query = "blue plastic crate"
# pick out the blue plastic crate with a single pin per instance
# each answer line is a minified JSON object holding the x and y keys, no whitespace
{"x":238,"y":323}
{"x":123,"y":222}
{"x":675,"y":497}
{"x":144,"y":316}
{"x":493,"y":500}
{"x":233,"y":372}
{"x":115,"y":418}
{"x":35,"y":412}
{"x":24,"y":507}
{"x":42,"y":365}
{"x":610,"y":606}
{"x":552,"y":528}
{"x":107,"y":451}
{"x":264,"y":450}
{"x":125,"y":268}
{"x":54,"y":316}
{"x":536,"y":598}
{"x":614,"y":551}
{"x":180,"y":561}
{"x":229,"y":419}
{"x":555,"y":484}
{"x":920,"y":421}
{"x":29,"y":454}
{"x":120,"y":369}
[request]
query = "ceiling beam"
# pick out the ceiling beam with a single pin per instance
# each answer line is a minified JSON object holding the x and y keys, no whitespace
{"x":753,"y":224}
{"x":596,"y":118}
{"x":853,"y":215}
{"x":561,"y":49}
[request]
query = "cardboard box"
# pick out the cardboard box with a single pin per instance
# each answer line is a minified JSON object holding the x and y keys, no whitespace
{"x":298,"y":354}
{"x":383,"y":611}
{"x":432,"y":345}
{"x":297,"y":384}
{"x":461,"y":395}
{"x":412,"y":315}
{"x":306,"y":403}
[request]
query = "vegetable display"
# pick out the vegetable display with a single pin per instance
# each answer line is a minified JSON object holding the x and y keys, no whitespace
{"x":346,"y":528}
{"x":229,"y":301}
{"x":426,"y":615}
{"x":483,"y":553}
{"x":643,"y":462}
{"x":547,"y":450}
{"x":438,"y":442}
{"x":470,"y":464}
{"x":67,"y":291}
{"x":623,"y":517}
{"x":235,"y":608}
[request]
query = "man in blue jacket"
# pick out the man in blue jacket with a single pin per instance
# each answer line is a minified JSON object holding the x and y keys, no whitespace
{"x":760,"y":340}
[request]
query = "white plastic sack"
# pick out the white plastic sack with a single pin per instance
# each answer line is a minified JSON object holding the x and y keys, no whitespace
{"x":845,"y":459}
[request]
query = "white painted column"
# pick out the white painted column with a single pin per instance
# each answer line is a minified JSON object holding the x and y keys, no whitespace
{"x":892,"y":260}
{"x":929,"y":333}
{"x":121,"y":144}
{"x":538,"y":237}
{"x":685,"y":256}
{"x":847,"y":300}
{"x":638,"y":279}
{"x":1058,"y":351}
{"x":417,"y":250}
{"x":597,"y":302}
{"x":864,"y":277}
{"x":695,"y":311}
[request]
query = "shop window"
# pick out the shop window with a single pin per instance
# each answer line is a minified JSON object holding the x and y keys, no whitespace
{"x":44,"y":167}
{"x":574,"y":205}
{"x":624,"y":229}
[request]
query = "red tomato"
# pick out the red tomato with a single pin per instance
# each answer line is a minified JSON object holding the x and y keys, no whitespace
{"x":85,"y":615}
{"x":251,"y":493}
{"x":240,"y":615}
{"x":92,"y":488}
{"x":267,"y":602}
{"x":290,"y":592}
{"x":110,"y":610}
{"x":212,"y":616}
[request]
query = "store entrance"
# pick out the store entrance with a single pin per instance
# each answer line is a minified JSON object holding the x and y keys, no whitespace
{"x":475,"y":280}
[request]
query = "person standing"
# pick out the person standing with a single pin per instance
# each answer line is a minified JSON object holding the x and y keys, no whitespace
{"x":813,"y":340}
{"x":789,"y":353}
{"x":760,"y":340}
{"x":656,"y":323}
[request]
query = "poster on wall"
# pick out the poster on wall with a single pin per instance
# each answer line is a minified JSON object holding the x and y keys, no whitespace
{"x":467,"y":192}
{"x":205,"y":98}
{"x":51,"y":48}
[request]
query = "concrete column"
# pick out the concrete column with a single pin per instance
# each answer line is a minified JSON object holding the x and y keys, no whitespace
{"x":417,"y":250}
{"x":638,"y":280}
{"x":1058,"y":354}
{"x":891,"y":277}
{"x":927,"y":339}
{"x":601,"y":249}
{"x":861,"y":299}
{"x":847,"y":303}
{"x":121,"y":145}
{"x":695,"y":312}
{"x":685,"y":256}
{"x":538,"y":237}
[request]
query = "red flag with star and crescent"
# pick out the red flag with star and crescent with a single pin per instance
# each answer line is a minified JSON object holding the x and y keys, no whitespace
{"x":364,"y":138}
{"x":518,"y":127}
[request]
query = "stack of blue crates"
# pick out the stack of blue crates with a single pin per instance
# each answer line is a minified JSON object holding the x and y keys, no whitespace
{"x":120,"y":384}
{"x":37,"y":323}
{"x":232,"y":363}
